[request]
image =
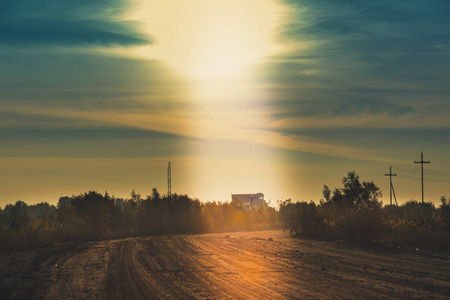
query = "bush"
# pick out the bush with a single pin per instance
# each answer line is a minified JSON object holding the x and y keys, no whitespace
{"x":301,"y":217}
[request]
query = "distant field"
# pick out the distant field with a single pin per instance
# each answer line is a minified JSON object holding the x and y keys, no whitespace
{"x":259,"y":265}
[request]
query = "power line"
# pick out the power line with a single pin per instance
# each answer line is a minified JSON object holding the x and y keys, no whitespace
{"x":443,"y":167}
{"x":437,"y":158}
{"x":432,"y":172}
{"x":444,"y":163}
{"x":408,"y":172}
{"x":408,"y":177}
{"x":440,"y":170}
{"x":401,"y":176}
{"x":441,"y":180}
{"x":438,"y":173}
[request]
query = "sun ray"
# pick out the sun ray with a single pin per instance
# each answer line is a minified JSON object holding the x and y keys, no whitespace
{"x":210,"y":39}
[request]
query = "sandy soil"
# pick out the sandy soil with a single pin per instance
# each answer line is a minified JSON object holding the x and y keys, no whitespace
{"x":249,"y":265}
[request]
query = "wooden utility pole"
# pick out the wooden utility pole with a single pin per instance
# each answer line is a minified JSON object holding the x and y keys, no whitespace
{"x":421,"y":162}
{"x":391,"y":187}
{"x":169,"y":180}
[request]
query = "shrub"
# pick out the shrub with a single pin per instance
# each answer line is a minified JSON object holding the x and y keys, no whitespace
{"x":301,"y":217}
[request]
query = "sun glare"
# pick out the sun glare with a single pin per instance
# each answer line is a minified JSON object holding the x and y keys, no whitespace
{"x":210,"y":39}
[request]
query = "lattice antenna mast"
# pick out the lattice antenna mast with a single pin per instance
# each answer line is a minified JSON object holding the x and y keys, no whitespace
{"x":422,"y":162}
{"x":169,"y":180}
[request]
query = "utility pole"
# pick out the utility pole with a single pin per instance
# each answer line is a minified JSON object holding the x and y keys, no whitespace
{"x":421,"y":162}
{"x":391,"y":187}
{"x":169,"y":180}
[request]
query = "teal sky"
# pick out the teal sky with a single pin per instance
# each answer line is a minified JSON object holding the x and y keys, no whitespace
{"x":244,"y":96}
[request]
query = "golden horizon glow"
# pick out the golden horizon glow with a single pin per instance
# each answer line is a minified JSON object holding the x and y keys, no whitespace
{"x":210,"y":39}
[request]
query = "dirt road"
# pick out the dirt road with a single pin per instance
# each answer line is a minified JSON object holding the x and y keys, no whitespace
{"x":258,"y":265}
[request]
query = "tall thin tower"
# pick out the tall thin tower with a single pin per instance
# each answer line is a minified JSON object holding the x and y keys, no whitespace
{"x":169,"y":180}
{"x":421,"y":162}
{"x":390,"y":184}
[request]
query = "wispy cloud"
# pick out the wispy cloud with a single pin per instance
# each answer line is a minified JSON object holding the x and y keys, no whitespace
{"x":362,"y":64}
{"x":179,"y":127}
{"x":68,"y":23}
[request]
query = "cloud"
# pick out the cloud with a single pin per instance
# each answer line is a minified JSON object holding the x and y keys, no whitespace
{"x":400,"y":40}
{"x":68,"y":23}
{"x":377,"y":64}
{"x":368,"y":21}
{"x":343,"y":107}
{"x":83,"y":80}
{"x":347,"y":65}
{"x":99,"y":141}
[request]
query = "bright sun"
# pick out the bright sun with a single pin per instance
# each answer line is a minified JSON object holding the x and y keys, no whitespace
{"x":209,"y":39}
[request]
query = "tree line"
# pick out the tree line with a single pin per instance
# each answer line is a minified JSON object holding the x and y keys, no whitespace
{"x":354,"y":211}
{"x":93,"y":216}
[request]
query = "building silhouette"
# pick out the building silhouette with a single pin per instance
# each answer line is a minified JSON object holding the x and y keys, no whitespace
{"x":249,"y":201}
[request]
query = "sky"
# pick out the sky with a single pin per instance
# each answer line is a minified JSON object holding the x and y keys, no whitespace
{"x":243,"y":96}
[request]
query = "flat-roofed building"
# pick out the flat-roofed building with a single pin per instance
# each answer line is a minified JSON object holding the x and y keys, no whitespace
{"x":250,"y":201}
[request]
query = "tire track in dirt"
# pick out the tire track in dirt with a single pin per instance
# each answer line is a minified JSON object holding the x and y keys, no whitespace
{"x":365,"y":273}
{"x":127,"y":277}
{"x":246,"y":272}
{"x":80,"y":274}
{"x":250,"y":265}
{"x":296,"y":281}
{"x":45,"y":273}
